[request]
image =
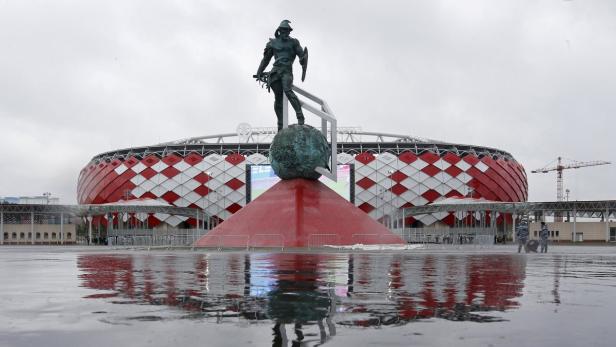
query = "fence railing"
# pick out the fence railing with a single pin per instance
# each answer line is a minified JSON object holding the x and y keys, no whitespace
{"x":320,"y":240}
{"x":322,"y":111}
{"x":453,"y":236}
{"x":187,"y":237}
{"x":149,"y":237}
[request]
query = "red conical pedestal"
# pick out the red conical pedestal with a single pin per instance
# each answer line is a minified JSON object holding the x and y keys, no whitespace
{"x":298,"y":213}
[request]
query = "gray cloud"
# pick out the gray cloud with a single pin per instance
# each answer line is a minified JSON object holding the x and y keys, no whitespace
{"x":533,"y":78}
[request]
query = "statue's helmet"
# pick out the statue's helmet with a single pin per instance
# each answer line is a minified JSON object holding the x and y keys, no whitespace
{"x":285,"y":25}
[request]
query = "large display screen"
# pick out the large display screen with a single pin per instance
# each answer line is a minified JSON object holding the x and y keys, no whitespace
{"x":262,"y":177}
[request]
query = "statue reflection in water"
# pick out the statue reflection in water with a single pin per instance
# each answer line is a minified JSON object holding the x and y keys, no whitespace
{"x":297,"y":300}
{"x":307,"y":297}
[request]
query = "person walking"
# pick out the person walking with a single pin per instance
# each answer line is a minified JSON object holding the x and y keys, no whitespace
{"x":544,"y":234}
{"x":521,"y":235}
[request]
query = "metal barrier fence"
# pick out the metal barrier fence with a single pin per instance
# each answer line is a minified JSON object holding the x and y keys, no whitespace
{"x":452,"y":236}
{"x":186,"y":238}
{"x":149,"y":237}
{"x":320,"y":240}
{"x":245,"y":241}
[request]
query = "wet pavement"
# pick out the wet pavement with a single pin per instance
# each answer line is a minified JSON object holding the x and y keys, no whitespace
{"x":51,"y":296}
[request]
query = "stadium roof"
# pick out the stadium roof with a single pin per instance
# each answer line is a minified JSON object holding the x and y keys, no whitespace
{"x":249,"y":140}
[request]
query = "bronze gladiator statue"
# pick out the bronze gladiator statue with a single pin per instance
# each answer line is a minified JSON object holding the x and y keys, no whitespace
{"x":284,"y":49}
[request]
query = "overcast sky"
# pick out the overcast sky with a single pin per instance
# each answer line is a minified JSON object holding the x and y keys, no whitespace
{"x":534,"y":78}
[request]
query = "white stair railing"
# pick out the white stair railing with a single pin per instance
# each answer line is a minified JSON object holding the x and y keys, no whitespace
{"x":327,"y":116}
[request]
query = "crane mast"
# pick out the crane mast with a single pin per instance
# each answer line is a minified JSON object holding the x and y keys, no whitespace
{"x":559,"y":172}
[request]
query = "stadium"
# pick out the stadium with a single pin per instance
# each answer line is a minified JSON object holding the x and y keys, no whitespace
{"x":380,"y":173}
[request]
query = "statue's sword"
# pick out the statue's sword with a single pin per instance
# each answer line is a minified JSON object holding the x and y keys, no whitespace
{"x":304,"y":62}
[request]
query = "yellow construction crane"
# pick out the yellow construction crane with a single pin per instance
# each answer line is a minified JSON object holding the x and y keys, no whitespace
{"x":559,"y":171}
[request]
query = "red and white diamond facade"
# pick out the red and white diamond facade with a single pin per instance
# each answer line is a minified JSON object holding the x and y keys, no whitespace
{"x":210,"y":173}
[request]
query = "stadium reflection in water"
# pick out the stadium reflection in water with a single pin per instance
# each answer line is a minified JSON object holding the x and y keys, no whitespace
{"x":306,"y":297}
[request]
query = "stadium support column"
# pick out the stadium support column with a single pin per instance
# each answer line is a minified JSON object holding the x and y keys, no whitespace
{"x":32,"y":227}
{"x":194,"y":232}
{"x":574,"y":222}
{"x":607,"y":224}
{"x":89,"y":218}
{"x":109,"y":226}
{"x":1,"y":227}
{"x":513,"y":227}
{"x":62,"y":228}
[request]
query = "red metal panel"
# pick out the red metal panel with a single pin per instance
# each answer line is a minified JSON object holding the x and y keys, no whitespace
{"x":93,"y":170}
{"x":130,"y":162}
{"x":103,"y":170}
{"x":148,"y":195}
{"x":453,"y":171}
{"x":502,"y":184}
{"x":431,"y":170}
{"x":170,"y":172}
{"x":150,"y":160}
{"x":365,"y":157}
{"x":521,"y":178}
{"x":83,"y":176}
{"x":449,"y":219}
{"x":522,"y":174}
{"x":148,"y":173}
{"x":513,"y":176}
{"x":430,"y":157}
{"x":102,"y":184}
{"x":398,"y":189}
{"x":202,"y":178}
{"x":119,"y":194}
{"x":172,"y":159}
{"x":487,"y":182}
{"x":153,"y":221}
{"x":192,"y":221}
{"x":233,"y":208}
{"x":454,"y":194}
{"x":202,"y":190}
{"x":170,"y":197}
{"x":193,"y":159}
{"x":407,"y":157}
{"x":503,"y":170}
{"x":471,"y":159}
{"x":366,"y":207}
{"x":431,"y":195}
{"x":365,"y":183}
{"x":451,"y":158}
{"x":117,"y":183}
{"x":398,"y":176}
{"x":409,"y":220}
{"x":235,"y":158}
{"x":234,"y":184}
{"x":501,"y":176}
{"x":481,"y":191}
